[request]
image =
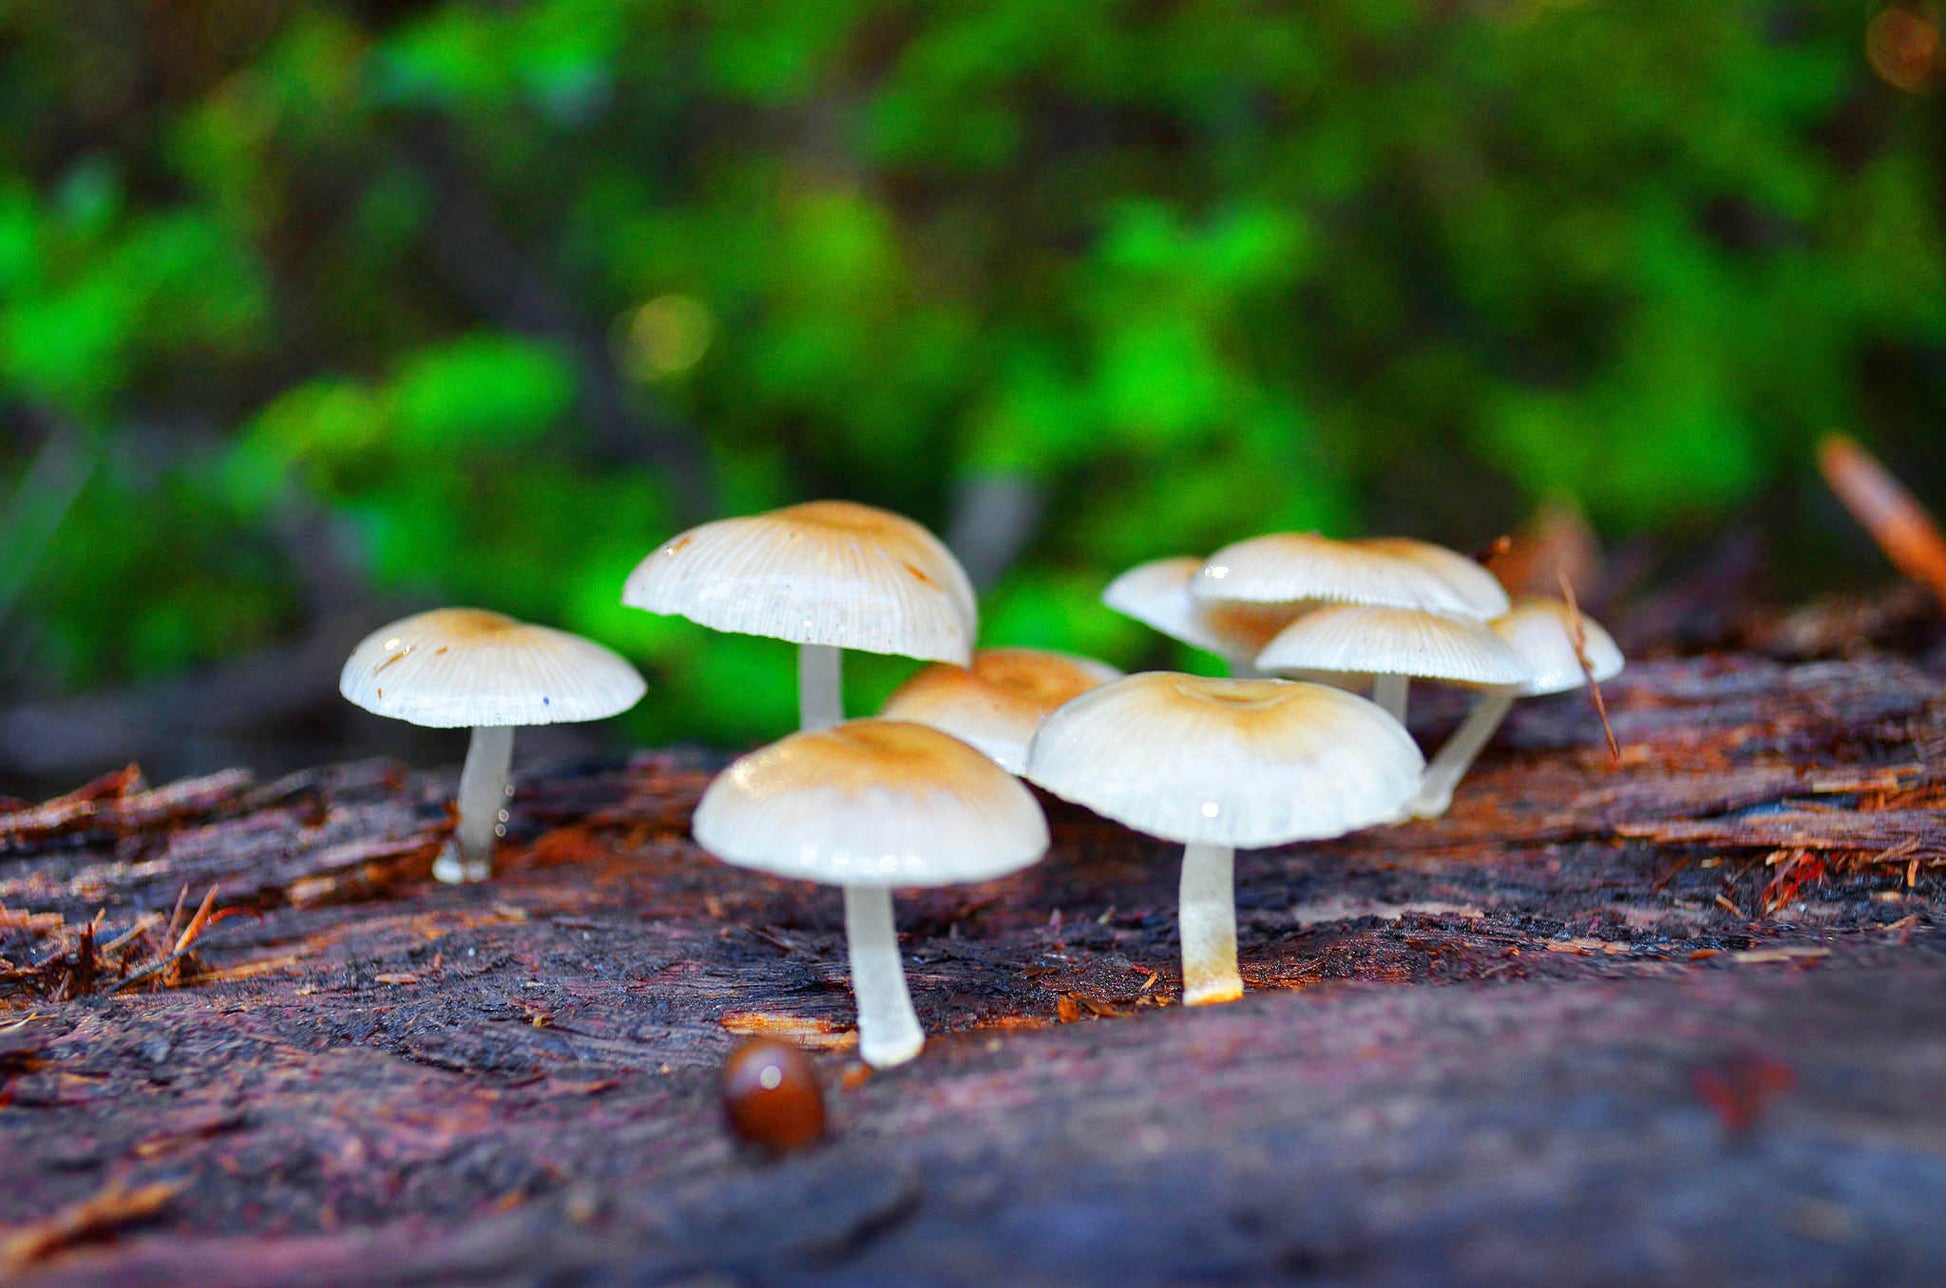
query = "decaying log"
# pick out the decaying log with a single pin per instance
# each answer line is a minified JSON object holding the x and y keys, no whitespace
{"x":1676,"y":1019}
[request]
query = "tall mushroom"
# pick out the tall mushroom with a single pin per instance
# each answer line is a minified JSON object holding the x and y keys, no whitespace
{"x":1480,"y":592}
{"x":869,"y":805}
{"x":466,"y":668}
{"x":1218,"y":764}
{"x":997,"y":703}
{"x":1560,"y":650}
{"x":824,"y":575}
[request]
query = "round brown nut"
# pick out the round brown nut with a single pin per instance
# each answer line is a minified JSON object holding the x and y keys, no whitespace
{"x":772,"y":1095}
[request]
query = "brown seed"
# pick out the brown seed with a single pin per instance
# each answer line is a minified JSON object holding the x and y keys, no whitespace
{"x":772,"y":1095}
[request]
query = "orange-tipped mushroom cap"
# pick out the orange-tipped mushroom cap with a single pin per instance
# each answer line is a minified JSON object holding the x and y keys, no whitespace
{"x":871,"y":803}
{"x":825,"y":572}
{"x":997,"y":703}
{"x":1227,"y":762}
{"x":1485,"y":597}
{"x":1156,"y":594}
{"x":461,"y":668}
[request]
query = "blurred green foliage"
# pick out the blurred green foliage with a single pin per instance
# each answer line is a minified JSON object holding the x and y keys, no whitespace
{"x":488,"y":290}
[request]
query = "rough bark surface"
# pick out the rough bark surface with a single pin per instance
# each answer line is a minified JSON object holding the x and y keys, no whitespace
{"x":1674,"y":1020}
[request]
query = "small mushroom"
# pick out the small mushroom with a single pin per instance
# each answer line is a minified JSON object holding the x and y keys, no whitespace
{"x":1542,"y":633}
{"x":997,"y":703}
{"x":869,"y":805}
{"x":1284,"y":573}
{"x":1218,"y":764}
{"x":466,"y":668}
{"x":826,"y":576}
{"x":1156,"y":594}
{"x":1394,"y":646}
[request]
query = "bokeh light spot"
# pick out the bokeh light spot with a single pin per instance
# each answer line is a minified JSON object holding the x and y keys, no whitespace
{"x":1902,"y":44}
{"x":665,"y":337}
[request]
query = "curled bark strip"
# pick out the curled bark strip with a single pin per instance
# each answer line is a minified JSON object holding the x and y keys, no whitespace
{"x":95,"y":1216}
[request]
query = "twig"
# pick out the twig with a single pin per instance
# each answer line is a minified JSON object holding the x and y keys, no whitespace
{"x":150,"y":971}
{"x":143,"y":924}
{"x":175,"y":917}
{"x":1900,"y":525}
{"x":205,"y":917}
{"x":197,"y":922}
{"x":1579,"y":638}
{"x":189,"y":934}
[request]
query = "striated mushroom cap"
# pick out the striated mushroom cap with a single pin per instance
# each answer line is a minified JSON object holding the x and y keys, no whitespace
{"x":825,"y":572}
{"x":1156,"y":594}
{"x":1485,"y":597}
{"x":1299,"y":569}
{"x":997,"y":703}
{"x":1357,"y":639}
{"x":1227,"y":762}
{"x":1540,"y":631}
{"x":871,"y":803}
{"x":462,"y":668}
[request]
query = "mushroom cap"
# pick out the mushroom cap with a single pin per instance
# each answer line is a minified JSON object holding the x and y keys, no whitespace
{"x":1540,"y":631}
{"x":1227,"y":762}
{"x":871,"y":803}
{"x":461,"y":668}
{"x":1359,"y":639}
{"x":1299,"y":568}
{"x":824,"y":572}
{"x":997,"y":703}
{"x":1484,"y":595}
{"x":1156,"y":594}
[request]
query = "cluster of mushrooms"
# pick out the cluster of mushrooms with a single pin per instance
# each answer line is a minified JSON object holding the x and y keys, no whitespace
{"x":928,"y":793}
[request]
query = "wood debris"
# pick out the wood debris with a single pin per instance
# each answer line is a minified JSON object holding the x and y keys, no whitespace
{"x":95,"y":1217}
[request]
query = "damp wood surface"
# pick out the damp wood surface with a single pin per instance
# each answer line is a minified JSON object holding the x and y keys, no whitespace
{"x":1676,"y":1019}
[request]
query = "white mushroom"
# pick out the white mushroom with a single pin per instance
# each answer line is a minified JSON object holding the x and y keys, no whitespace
{"x":1218,"y":764}
{"x":1479,"y":590}
{"x":466,"y":668}
{"x":826,"y":576}
{"x":869,"y":805}
{"x":1156,"y":594}
{"x":998,"y":702}
{"x":1394,"y":646}
{"x":1542,"y":633}
{"x":1288,"y":572}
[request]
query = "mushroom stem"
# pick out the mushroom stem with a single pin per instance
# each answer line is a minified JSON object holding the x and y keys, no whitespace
{"x":820,"y":686}
{"x":1452,"y":761}
{"x":888,"y":1030}
{"x":482,"y":795}
{"x":1207,"y":917}
{"x":1389,"y":691}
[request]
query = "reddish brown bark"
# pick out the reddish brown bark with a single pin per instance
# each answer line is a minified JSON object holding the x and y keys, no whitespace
{"x":1674,"y":1020}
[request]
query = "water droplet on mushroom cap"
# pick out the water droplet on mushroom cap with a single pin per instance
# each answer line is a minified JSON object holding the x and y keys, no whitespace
{"x":772,"y":1095}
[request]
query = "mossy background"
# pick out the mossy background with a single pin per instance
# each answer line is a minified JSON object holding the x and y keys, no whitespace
{"x":320,"y":306}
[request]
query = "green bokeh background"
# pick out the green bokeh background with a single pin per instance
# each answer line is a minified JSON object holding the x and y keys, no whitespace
{"x":312,"y":306}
